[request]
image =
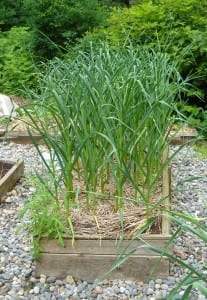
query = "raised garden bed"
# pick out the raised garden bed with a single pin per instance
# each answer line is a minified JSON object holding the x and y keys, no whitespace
{"x":16,"y":132}
{"x":10,"y":173}
{"x":110,"y":130}
{"x":184,"y":135}
{"x":91,"y":257}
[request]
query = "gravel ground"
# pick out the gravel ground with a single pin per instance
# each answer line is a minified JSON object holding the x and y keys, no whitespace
{"x":17,"y":266}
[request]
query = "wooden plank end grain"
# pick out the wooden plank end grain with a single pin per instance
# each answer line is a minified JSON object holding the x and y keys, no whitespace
{"x":12,"y":176}
{"x":2,"y":132}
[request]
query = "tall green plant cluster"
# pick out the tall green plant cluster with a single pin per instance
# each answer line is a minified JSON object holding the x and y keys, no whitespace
{"x":105,"y":117}
{"x":175,"y":24}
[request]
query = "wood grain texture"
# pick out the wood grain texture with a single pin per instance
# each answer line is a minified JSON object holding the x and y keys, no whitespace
{"x":166,"y":193}
{"x":2,"y":131}
{"x":184,"y":136}
{"x":92,"y":258}
{"x":21,"y":138}
{"x":90,"y":267}
{"x":12,"y":175}
{"x":105,"y":246}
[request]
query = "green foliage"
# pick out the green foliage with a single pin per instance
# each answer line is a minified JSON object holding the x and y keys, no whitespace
{"x":201,"y":148}
{"x":112,"y":3}
{"x":4,"y":121}
{"x":44,"y":213}
{"x":196,"y":117}
{"x":56,"y":23}
{"x":177,"y":23}
{"x":11,"y":14}
{"x":17,"y":70}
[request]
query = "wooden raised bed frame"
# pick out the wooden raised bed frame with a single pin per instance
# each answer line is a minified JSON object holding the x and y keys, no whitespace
{"x":19,"y":137}
{"x":185,"y":135}
{"x":10,"y":173}
{"x":90,"y":258}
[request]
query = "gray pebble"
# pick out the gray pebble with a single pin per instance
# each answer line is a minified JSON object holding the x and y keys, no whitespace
{"x":149,"y":291}
{"x":4,"y":289}
{"x":164,"y":286}
{"x":51,"y":279}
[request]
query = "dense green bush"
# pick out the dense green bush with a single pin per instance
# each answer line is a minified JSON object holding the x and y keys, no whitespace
{"x":196,"y":117}
{"x":117,"y":2}
{"x":11,"y":14}
{"x":175,"y":23}
{"x":17,"y":70}
{"x":53,"y":22}
{"x":56,"y":22}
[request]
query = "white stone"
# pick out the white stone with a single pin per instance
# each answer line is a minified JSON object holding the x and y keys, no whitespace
{"x":21,"y":292}
{"x":36,"y":289}
{"x":42,"y":280}
{"x":7,"y":106}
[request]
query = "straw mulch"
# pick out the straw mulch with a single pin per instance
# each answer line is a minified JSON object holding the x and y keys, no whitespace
{"x":102,"y":219}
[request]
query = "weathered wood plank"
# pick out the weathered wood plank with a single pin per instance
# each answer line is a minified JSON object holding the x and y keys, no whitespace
{"x":184,"y":135}
{"x":111,"y":247}
{"x":21,"y":138}
{"x":11,"y":177}
{"x":87,"y":267}
{"x":2,"y":132}
{"x":166,"y":186}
